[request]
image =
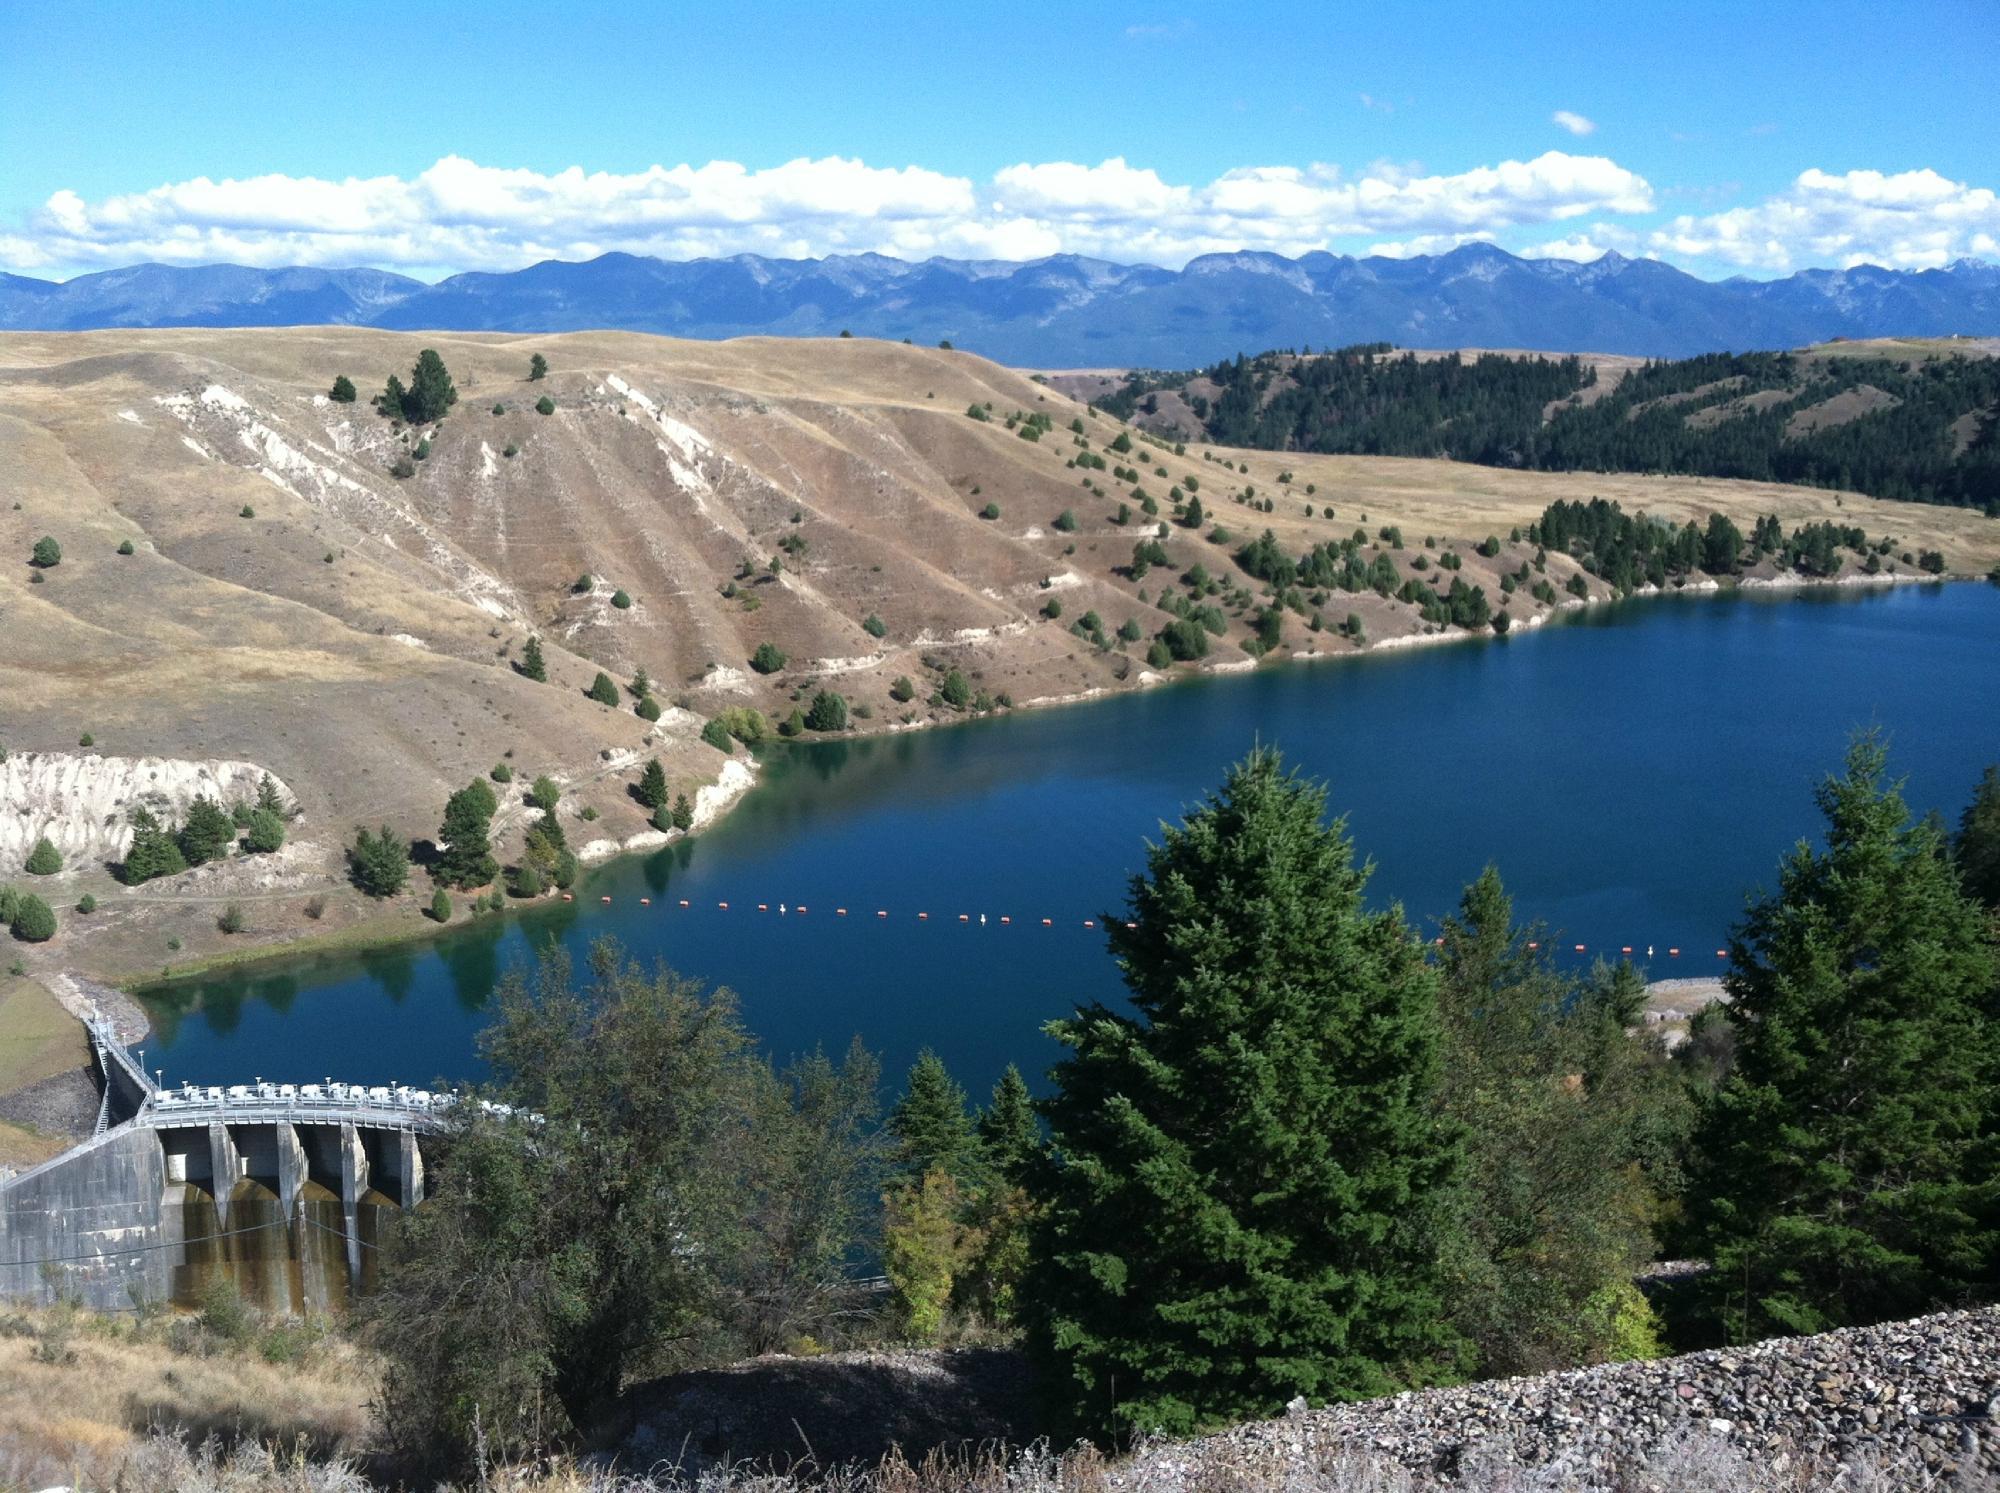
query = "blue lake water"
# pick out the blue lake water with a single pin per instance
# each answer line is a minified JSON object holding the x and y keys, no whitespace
{"x":1633,"y":772}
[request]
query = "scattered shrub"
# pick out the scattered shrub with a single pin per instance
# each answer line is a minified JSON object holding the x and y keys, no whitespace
{"x":33,"y":920}
{"x":545,"y":406}
{"x":621,"y":601}
{"x":231,"y":920}
{"x":124,"y":546}
{"x":768,"y":659}
{"x":86,"y":904}
{"x":47,"y":553}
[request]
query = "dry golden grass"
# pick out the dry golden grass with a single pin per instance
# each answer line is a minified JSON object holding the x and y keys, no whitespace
{"x":356,"y":634}
{"x":80,"y":1395}
{"x":37,"y":1037}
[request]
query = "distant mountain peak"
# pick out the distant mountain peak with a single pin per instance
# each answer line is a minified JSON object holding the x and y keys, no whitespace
{"x":1068,"y":310}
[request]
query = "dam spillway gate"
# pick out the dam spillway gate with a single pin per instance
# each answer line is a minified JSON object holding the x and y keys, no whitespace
{"x":280,"y":1191}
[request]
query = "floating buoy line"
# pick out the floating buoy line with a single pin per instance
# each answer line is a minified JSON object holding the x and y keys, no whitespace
{"x":1006,"y":920}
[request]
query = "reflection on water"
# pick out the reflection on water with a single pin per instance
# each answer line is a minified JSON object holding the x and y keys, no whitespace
{"x":1633,"y":771}
{"x":296,"y":1267}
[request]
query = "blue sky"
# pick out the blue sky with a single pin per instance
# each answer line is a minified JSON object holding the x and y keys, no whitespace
{"x":1727,"y":138}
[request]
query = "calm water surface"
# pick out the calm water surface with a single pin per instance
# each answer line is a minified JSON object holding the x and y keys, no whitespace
{"x":1633,"y":772}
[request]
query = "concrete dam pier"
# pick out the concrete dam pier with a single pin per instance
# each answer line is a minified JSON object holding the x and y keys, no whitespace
{"x":281,"y":1190}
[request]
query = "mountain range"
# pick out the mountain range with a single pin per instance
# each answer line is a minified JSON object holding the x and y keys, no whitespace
{"x":1066,"y":311}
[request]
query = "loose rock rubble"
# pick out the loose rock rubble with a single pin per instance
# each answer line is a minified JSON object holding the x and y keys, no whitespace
{"x":1916,"y":1401}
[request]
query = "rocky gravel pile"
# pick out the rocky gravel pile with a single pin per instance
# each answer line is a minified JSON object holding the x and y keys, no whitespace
{"x":1919,"y":1400}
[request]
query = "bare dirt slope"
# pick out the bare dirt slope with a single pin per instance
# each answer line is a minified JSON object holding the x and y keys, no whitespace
{"x":290,"y":603}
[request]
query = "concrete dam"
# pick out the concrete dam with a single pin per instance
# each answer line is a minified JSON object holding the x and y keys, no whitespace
{"x":281,"y":1190}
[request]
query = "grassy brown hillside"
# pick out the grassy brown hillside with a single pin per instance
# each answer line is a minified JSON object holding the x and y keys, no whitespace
{"x":291,"y":603}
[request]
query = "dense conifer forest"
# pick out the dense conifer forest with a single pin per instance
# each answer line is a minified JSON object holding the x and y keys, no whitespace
{"x":1926,"y":431}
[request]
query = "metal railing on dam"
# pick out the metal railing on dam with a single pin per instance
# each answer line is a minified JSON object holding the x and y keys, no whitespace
{"x":281,"y":1188}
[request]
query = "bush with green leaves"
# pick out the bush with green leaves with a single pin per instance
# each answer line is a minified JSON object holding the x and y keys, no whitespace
{"x":648,"y":709}
{"x":956,"y":690}
{"x":717,"y":735}
{"x":33,"y":920}
{"x":621,"y":600}
{"x":1064,"y":522}
{"x":604,"y":689}
{"x":545,"y":406}
{"x":86,"y":904}
{"x":264,"y":834}
{"x":538,"y":368}
{"x":342,"y":391}
{"x":47,"y":554}
{"x":828,"y":713}
{"x":231,"y":919}
{"x":901,"y":689}
{"x":990,"y":511}
{"x":125,"y":547}
{"x":44,"y":859}
{"x":207,"y":834}
{"x":526,"y":882}
{"x":379,"y":861}
{"x":768,"y":659}
{"x":873,"y":626}
{"x":793,"y":724}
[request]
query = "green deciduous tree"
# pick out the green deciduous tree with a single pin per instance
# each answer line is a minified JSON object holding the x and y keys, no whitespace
{"x":1247,"y":1178}
{"x":538,"y":1277}
{"x":1846,"y":1172}
{"x":1569,"y":1124}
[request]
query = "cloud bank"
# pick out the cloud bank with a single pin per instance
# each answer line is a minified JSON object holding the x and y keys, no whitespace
{"x":460,"y":214}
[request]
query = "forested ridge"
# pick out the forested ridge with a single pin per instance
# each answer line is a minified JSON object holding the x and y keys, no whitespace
{"x":1925,"y":432}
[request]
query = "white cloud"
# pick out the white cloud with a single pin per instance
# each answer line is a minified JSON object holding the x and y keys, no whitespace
{"x":1427,"y":243}
{"x":459,"y":214}
{"x":1909,"y":220}
{"x":1576,"y":124}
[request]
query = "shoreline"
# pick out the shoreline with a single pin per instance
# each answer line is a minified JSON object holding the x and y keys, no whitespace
{"x":400,"y":925}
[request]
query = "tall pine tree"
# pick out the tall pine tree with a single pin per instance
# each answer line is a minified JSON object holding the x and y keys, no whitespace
{"x":930,"y":1127}
{"x":1846,"y":1165}
{"x":1242,"y":1199}
{"x":464,"y":858}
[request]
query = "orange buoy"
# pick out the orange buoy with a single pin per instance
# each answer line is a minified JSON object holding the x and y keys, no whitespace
{"x":800,"y":909}
{"x":923,"y":917}
{"x":723,"y":905}
{"x":645,"y":901}
{"x":1006,"y":920}
{"x":604,"y":899}
{"x":882,"y":913}
{"x":1131,"y":925}
{"x":840,"y":912}
{"x":1579,"y":948}
{"x":1626,"y":949}
{"x":1673,"y":953}
{"x":1722,"y":953}
{"x":1088,"y":923}
{"x":684,"y":902}
{"x":1533,"y":944}
{"x":965,"y":917}
{"x":1048,"y":922}
{"x":568,"y":898}
{"x":763,"y":907}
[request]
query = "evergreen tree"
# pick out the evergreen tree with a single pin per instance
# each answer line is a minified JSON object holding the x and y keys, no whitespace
{"x":1566,"y":1120}
{"x":44,"y":859}
{"x":431,"y":392}
{"x":652,"y":789}
{"x":393,"y":397}
{"x":440,"y":906}
{"x":208,"y":832}
{"x":603,"y":690}
{"x":33,"y":921}
{"x":1845,"y":1171}
{"x":153,"y":851}
{"x":343,"y":390}
{"x":268,"y":798}
{"x":929,"y":1127}
{"x":1008,"y":1128}
{"x":1246,"y":1180}
{"x":1977,"y":845}
{"x":265,"y":833}
{"x":538,"y":368}
{"x":464,"y":858}
{"x":379,"y":861}
{"x":533,"y":666}
{"x":828,"y":713}
{"x":683,"y":813}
